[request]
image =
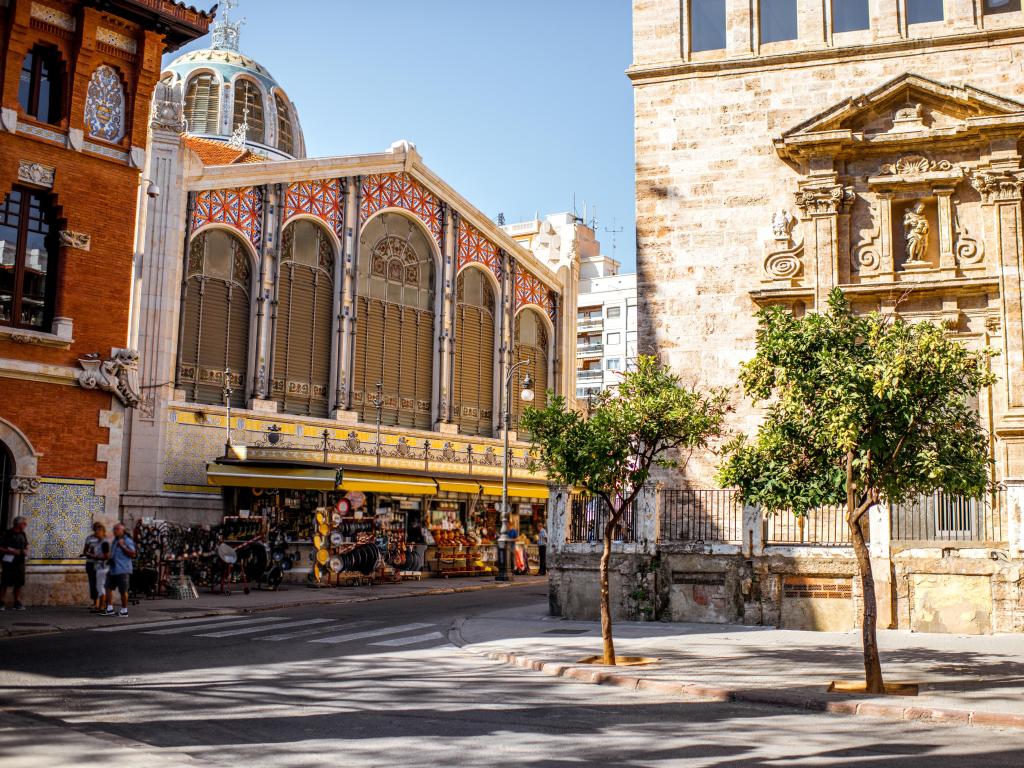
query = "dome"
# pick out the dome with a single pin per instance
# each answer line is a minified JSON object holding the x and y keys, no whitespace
{"x":232,"y":98}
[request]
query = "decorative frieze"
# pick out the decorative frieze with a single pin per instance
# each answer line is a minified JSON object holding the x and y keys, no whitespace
{"x":828,"y":199}
{"x":998,"y":186}
{"x":36,"y":174}
{"x":916,"y":165}
{"x":53,"y":16}
{"x":116,"y":40}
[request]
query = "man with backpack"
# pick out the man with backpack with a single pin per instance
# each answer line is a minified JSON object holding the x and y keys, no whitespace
{"x":122,"y":552}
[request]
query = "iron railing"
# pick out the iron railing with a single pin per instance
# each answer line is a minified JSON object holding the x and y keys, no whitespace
{"x":820,"y":527}
{"x":944,"y":517}
{"x":588,"y":517}
{"x":701,"y":515}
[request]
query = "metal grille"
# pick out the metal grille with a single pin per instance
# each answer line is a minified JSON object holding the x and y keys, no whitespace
{"x":701,"y":515}
{"x":202,"y":104}
{"x":589,"y":516}
{"x":820,"y":527}
{"x":473,"y":400}
{"x":944,"y":517}
{"x":531,"y":343}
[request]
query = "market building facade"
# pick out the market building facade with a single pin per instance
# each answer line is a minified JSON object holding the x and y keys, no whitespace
{"x":342,"y":326}
{"x":790,"y":147}
{"x":76,"y":84}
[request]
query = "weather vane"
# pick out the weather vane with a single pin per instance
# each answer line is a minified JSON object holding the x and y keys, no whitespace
{"x":225,"y":32}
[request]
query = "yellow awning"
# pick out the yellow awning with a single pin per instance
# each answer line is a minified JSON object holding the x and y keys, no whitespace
{"x":240,"y":475}
{"x":518,"y":489}
{"x":402,"y":485}
{"x":459,"y":486}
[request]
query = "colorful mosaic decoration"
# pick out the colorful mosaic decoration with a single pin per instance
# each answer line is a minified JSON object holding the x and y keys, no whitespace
{"x":399,"y":190}
{"x":239,"y":208}
{"x":474,"y":248}
{"x":60,"y":515}
{"x":323,"y":199}
{"x":104,"y":105}
{"x":530,"y":290}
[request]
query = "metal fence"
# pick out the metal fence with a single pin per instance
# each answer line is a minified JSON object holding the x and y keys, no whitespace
{"x":944,"y":517}
{"x":820,"y":527}
{"x":589,"y":515}
{"x":701,"y":515}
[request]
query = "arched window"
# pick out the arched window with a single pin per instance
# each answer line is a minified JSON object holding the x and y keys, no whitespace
{"x":215,"y":320}
{"x":305,"y":298}
{"x":104,"y":105}
{"x":41,"y":86}
{"x":285,"y":137}
{"x":473,"y":397}
{"x":530,"y":343}
{"x":202,"y":104}
{"x":395,"y":323}
{"x":248,"y":96}
{"x":28,"y":268}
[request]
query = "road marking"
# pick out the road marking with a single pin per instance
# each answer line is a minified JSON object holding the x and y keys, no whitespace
{"x":316,"y":631}
{"x":398,"y":641}
{"x":371,"y":633}
{"x":121,"y":627}
{"x":235,"y":622}
{"x":252,"y":630}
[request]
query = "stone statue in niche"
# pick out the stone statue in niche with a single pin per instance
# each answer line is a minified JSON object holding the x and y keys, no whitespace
{"x":916,"y":229}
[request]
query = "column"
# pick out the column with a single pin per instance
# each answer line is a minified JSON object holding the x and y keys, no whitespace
{"x":558,"y":517}
{"x":338,"y":321}
{"x":347,"y":289}
{"x":1014,"y":500}
{"x":262,"y":370}
{"x":447,"y":332}
{"x":881,"y":565}
{"x":824,"y":202}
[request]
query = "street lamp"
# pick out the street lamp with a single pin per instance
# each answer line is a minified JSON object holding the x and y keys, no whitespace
{"x":526,"y":395}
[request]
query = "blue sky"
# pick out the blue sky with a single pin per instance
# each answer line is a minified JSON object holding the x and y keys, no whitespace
{"x":518,"y":105}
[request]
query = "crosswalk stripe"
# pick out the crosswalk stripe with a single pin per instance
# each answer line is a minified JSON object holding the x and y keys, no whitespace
{"x":200,"y":625}
{"x":371,"y":633}
{"x":316,"y":630}
{"x":398,"y":641}
{"x":148,"y":624}
{"x":253,"y":630}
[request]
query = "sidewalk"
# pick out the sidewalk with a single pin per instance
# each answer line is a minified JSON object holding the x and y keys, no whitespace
{"x":977,"y":680}
{"x":44,"y":620}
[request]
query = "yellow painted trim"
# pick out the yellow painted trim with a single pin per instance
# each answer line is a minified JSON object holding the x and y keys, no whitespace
{"x":517,"y":489}
{"x":32,"y":561}
{"x":404,"y":485}
{"x":66,"y":481}
{"x":459,"y":486}
{"x":240,"y":475}
{"x":203,"y":489}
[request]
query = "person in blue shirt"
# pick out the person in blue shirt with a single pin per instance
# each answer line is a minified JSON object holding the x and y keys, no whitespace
{"x":122,"y":552}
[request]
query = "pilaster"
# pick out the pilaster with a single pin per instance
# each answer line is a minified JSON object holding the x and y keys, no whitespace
{"x":1015,"y":516}
{"x":823,"y":201}
{"x":262,"y":358}
{"x":447,"y":331}
{"x":879,"y":547}
{"x":738,"y":28}
{"x":558,"y":517}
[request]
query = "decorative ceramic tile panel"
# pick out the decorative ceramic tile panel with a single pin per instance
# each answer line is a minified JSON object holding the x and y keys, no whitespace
{"x":111,"y":152}
{"x":399,"y":190}
{"x":474,"y":248}
{"x":323,"y":199}
{"x":530,"y":290}
{"x":60,"y":515}
{"x":116,"y":39}
{"x":240,"y":208}
{"x":104,"y":105}
{"x":50,"y":15}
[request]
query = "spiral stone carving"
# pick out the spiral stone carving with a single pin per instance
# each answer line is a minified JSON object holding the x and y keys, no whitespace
{"x":783,"y":265}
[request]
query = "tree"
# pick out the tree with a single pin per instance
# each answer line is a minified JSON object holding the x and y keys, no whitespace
{"x":860,"y":409}
{"x":609,"y":453}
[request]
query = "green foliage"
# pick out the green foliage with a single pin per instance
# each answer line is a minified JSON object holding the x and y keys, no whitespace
{"x":896,"y":394}
{"x":612,"y":450}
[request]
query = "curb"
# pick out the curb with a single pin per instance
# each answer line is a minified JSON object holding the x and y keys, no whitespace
{"x":8,"y":634}
{"x":765,"y":696}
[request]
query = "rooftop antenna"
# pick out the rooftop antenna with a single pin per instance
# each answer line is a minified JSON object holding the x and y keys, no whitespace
{"x":614,"y":232}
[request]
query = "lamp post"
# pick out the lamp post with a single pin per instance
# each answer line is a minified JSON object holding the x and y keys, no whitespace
{"x":526,"y":395}
{"x":227,"y":391}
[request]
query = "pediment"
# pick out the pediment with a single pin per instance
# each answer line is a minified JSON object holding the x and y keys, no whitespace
{"x":907,"y":108}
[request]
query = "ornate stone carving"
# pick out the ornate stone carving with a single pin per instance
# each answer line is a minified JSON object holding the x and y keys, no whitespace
{"x":908,"y":118}
{"x":24,"y":484}
{"x":782,"y":224}
{"x":168,"y":112}
{"x":825,"y":199}
{"x":78,"y":240}
{"x":916,"y":230}
{"x":915,"y":165}
{"x":992,"y":323}
{"x":119,"y":375}
{"x":997,"y":186}
{"x":35,"y":173}
{"x":868,"y":253}
{"x":784,"y":258}
{"x":969,"y":251}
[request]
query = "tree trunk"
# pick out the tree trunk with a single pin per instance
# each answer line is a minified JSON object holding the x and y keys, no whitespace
{"x":869,"y":616}
{"x":606,"y":610}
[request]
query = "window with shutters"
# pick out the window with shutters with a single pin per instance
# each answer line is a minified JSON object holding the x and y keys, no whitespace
{"x":285,"y":138}
{"x":302,"y":333}
{"x":215,"y":320}
{"x":473,"y":397}
{"x":202,"y":104}
{"x":249,"y":107}
{"x":394,"y":323}
{"x":530,"y":343}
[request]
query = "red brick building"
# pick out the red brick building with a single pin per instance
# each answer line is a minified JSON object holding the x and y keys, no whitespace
{"x":75,"y":93}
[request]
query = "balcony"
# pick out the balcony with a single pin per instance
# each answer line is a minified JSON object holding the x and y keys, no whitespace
{"x":589,"y":350}
{"x":587,"y":377}
{"x":591,"y":323}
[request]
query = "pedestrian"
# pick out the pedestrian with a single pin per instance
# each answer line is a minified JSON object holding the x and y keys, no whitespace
{"x":542,"y":550}
{"x":13,"y":553}
{"x":418,"y":545}
{"x":122,"y":552}
{"x":93,"y":553}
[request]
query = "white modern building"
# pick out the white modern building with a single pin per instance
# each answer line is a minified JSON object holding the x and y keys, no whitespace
{"x":606,"y":308}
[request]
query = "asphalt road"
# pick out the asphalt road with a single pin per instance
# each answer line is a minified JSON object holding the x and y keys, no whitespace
{"x":377,"y":684}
